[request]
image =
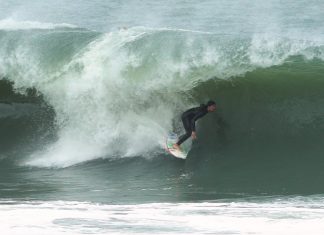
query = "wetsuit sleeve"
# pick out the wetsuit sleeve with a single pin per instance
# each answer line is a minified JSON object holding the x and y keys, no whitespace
{"x":195,"y":118}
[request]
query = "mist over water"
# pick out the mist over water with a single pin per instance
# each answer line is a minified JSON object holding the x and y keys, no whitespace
{"x":240,"y":17}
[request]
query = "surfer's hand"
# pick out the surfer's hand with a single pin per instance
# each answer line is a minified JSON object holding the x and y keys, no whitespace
{"x":193,"y":135}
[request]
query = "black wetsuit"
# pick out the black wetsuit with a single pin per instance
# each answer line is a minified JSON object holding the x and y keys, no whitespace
{"x":189,"y":118}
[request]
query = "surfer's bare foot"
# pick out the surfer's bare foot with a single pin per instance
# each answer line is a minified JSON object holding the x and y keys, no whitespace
{"x":176,"y":146}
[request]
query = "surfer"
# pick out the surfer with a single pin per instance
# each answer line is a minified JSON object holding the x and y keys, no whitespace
{"x":189,"y":119}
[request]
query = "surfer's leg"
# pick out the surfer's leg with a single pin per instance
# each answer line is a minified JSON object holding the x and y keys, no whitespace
{"x":184,"y":137}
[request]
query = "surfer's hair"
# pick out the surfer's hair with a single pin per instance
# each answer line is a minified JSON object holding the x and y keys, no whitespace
{"x":210,"y":103}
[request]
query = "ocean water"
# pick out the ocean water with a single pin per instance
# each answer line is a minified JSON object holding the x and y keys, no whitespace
{"x":90,"y":89}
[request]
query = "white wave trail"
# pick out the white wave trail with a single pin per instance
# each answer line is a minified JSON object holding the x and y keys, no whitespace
{"x":11,"y":24}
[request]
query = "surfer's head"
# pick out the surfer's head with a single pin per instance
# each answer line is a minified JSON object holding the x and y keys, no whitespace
{"x":211,"y":106}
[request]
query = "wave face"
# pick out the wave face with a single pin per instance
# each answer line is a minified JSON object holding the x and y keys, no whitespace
{"x":117,"y":94}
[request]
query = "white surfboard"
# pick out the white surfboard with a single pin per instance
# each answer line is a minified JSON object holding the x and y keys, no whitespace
{"x":171,"y":139}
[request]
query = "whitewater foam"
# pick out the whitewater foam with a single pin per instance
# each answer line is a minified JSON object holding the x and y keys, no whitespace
{"x":281,"y":216}
{"x":100,"y":110}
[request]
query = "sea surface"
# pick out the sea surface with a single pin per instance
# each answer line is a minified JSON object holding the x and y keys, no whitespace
{"x":90,"y":89}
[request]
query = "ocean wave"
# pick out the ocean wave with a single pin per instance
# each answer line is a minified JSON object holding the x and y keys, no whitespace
{"x":118,"y":94}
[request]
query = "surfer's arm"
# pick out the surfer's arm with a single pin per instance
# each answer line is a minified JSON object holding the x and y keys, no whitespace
{"x":194,"y":119}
